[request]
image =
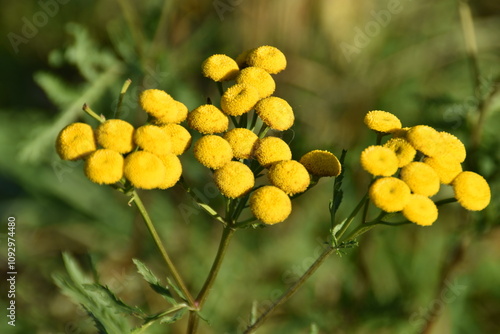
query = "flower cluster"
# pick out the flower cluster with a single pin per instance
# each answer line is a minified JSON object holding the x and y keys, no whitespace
{"x":238,"y":154}
{"x":426,"y":159}
{"x":146,"y":156}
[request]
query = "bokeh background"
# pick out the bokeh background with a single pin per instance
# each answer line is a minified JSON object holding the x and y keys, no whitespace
{"x":344,"y":59}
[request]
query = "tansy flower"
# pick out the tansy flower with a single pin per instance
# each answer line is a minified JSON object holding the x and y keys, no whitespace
{"x":220,"y":68}
{"x":104,"y":166}
{"x":75,"y":141}
{"x":241,"y":59}
{"x":275,"y":112}
{"x":290,"y":176}
{"x":173,"y":117}
{"x":420,"y":210}
{"x":173,"y":170}
{"x":208,"y":119}
{"x":379,"y":161}
{"x":472,"y":191}
{"x":159,"y":104}
{"x":153,"y":139}
{"x":446,"y":170}
{"x":267,"y":57}
{"x":421,"y":178}
{"x":400,"y":133}
{"x":269,"y":150}
{"x":270,"y":205}
{"x":382,"y":121}
{"x":321,"y":163}
{"x":424,"y":139}
{"x":212,"y":151}
{"x":450,"y":147}
{"x":389,"y":194}
{"x":116,"y":135}
{"x":239,"y":99}
{"x":234,"y":179}
{"x":258,"y":78}
{"x":242,"y":142}
{"x":144,"y":170}
{"x":180,"y":138}
{"x":403,"y":149}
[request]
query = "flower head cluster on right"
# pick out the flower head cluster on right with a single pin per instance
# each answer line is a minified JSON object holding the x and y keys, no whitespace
{"x":423,"y":159}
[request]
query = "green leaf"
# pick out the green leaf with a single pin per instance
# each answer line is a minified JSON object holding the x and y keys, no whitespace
{"x":113,"y":301}
{"x":154,"y":282}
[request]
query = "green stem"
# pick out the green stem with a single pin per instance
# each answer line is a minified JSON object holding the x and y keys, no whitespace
{"x":254,"y":121}
{"x":263,"y":130}
{"x":118,"y":109}
{"x":446,"y":201}
{"x":170,"y":265}
{"x":207,"y":286}
{"x":351,"y":217}
{"x":207,"y":208}
{"x":291,"y":291}
{"x":92,"y":113}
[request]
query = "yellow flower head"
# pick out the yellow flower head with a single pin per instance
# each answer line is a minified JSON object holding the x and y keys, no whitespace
{"x":380,"y":161}
{"x":212,"y":151}
{"x":269,"y":150}
{"x":472,"y":191}
{"x":403,"y":149}
{"x":267,"y":57}
{"x":234,"y":179}
{"x":446,"y":170}
{"x":242,"y":142}
{"x":290,"y":176}
{"x":400,"y":133}
{"x":220,"y":68}
{"x":75,"y":141}
{"x":239,"y":99}
{"x":117,"y":135}
{"x":153,"y":139}
{"x":173,"y":170}
{"x":241,"y":59}
{"x":421,"y":178}
{"x":173,"y":117}
{"x":389,"y":194}
{"x":424,"y":139}
{"x":382,"y":121}
{"x":450,"y":147}
{"x":180,"y":138}
{"x":258,"y":78}
{"x":420,"y":210}
{"x":104,"y":166}
{"x":275,"y":112}
{"x":208,"y":119}
{"x":270,"y":205}
{"x":159,"y":105}
{"x":321,"y":163}
{"x":144,"y":170}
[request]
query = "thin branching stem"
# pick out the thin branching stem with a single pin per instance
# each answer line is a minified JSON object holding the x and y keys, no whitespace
{"x":124,"y":89}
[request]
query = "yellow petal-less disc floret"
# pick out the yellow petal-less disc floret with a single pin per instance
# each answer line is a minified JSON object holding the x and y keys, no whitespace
{"x":321,"y":163}
{"x":267,"y":57}
{"x":447,"y":170}
{"x":212,"y":151}
{"x":403,"y":149}
{"x":379,"y":161}
{"x":159,"y":105}
{"x":275,"y":112}
{"x":180,"y":138}
{"x":173,"y":117}
{"x":382,"y":121}
{"x":269,"y":150}
{"x":144,"y":170}
{"x":450,"y":147}
{"x":241,"y":59}
{"x":234,"y":179}
{"x":270,"y":205}
{"x":208,"y":119}
{"x":290,"y":176}
{"x":420,"y":210}
{"x":117,"y":135}
{"x":153,"y":139}
{"x":242,"y":142}
{"x":239,"y":99}
{"x":421,"y":178}
{"x":220,"y":67}
{"x":258,"y":78}
{"x":424,"y":139}
{"x":104,"y":166}
{"x":173,"y":170}
{"x":400,"y":133}
{"x":472,"y":191}
{"x":389,"y":194}
{"x":75,"y":141}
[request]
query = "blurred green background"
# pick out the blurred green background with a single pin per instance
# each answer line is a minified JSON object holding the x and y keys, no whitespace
{"x":344,"y":59}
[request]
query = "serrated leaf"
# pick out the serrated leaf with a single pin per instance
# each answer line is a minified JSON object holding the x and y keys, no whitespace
{"x":113,"y":301}
{"x":154,"y":282}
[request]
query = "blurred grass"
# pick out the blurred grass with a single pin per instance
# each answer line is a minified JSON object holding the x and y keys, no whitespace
{"x":415,"y":68}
